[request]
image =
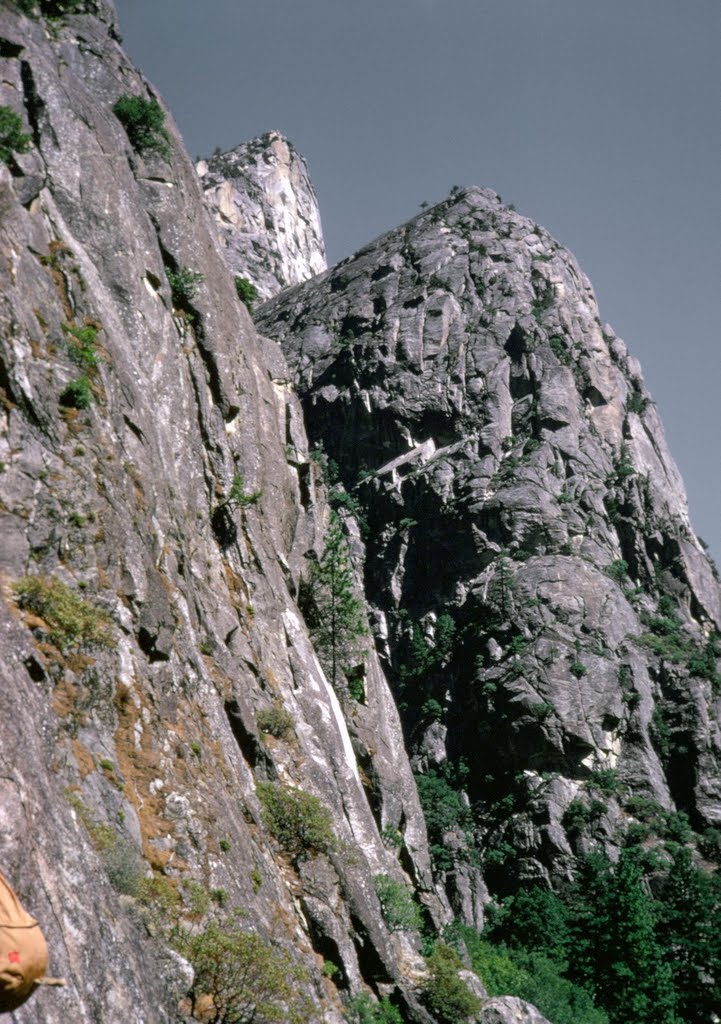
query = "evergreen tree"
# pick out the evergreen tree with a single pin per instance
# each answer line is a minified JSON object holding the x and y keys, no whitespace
{"x":690,"y":932}
{"x":334,"y":611}
{"x":613,"y":948}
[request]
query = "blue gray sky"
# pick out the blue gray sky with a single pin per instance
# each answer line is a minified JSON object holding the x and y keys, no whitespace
{"x":600,"y":120}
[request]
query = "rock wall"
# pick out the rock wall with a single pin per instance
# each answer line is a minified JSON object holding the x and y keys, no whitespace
{"x":547,"y":616}
{"x":168,"y":504}
{"x":266,"y":212}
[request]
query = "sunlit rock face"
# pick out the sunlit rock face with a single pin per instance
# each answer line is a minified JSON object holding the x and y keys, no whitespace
{"x":266,"y":212}
{"x":155,"y":478}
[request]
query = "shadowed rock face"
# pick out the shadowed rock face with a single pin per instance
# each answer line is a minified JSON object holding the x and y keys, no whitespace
{"x":266,"y":212}
{"x":515,"y":477}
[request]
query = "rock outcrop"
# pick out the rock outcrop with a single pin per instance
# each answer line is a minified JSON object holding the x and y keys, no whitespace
{"x":266,"y":212}
{"x":544,"y":609}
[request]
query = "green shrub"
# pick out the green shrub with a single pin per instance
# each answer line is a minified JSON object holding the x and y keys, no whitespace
{"x":81,"y":345}
{"x":275,"y":721}
{"x":605,"y":780}
{"x":361,"y":1009}
{"x":144,"y":123}
{"x":77,"y":394}
{"x":445,"y":994}
{"x":577,"y":668}
{"x":247,"y":980}
{"x":71,"y":621}
{"x":125,"y":867}
{"x":298,"y":820}
{"x":617,"y":570}
{"x":239,"y":496}
{"x":400,"y":912}
{"x":247,"y":292}
{"x":536,"y":979}
{"x":445,"y":810}
{"x":12,"y":137}
{"x":183,"y":285}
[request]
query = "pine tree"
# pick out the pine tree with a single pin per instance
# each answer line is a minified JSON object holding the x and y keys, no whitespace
{"x":614,"y":951}
{"x":690,"y":932}
{"x":335,"y":612}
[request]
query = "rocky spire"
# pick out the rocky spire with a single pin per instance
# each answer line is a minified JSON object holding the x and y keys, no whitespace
{"x":266,"y":211}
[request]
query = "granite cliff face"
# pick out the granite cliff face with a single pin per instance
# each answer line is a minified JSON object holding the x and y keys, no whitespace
{"x":545,"y":612}
{"x":536,"y":596}
{"x":162,"y":511}
{"x":266,"y":212}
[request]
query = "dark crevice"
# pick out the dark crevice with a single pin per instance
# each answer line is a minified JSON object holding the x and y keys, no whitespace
{"x":10,"y":50}
{"x":253,"y":751}
{"x":146,"y":643}
{"x":223,"y":525}
{"x":34,"y":106}
{"x":372,"y":968}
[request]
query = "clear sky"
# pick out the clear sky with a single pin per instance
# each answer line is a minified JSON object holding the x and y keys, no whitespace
{"x":599,"y":119}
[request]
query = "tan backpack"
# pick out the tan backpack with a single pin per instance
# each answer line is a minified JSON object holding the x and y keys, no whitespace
{"x":23,"y":952}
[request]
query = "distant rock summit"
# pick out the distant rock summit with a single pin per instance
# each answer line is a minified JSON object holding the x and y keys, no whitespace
{"x":266,"y":211}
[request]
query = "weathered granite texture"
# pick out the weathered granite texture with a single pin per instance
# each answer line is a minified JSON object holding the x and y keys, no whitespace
{"x":266,"y":211}
{"x":514,"y":476}
{"x":141,"y":757}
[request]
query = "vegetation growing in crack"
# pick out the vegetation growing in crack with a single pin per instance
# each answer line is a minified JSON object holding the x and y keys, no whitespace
{"x":400,"y":911}
{"x":12,"y":137}
{"x":183,"y":286}
{"x":335,"y":613}
{"x":69,"y":620}
{"x":246,"y":292}
{"x":144,"y":124}
{"x":299,"y":822}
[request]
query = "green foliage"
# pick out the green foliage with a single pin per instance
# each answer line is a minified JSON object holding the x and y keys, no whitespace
{"x":392,"y":838}
{"x":448,"y":998}
{"x":298,"y":820}
{"x":77,"y":394}
{"x":400,"y":912}
{"x":445,"y":811}
{"x":432,"y":710}
{"x":533,"y":918}
{"x":361,"y":1009}
{"x":238,"y":495}
{"x":71,"y":621}
{"x":559,"y":349}
{"x":579,"y":815}
{"x":605,"y":780}
{"x":248,"y":981}
{"x":422,"y":657}
{"x":618,"y":570}
{"x":577,"y":668}
{"x":637,"y":403}
{"x":12,"y":137}
{"x":183,"y":285}
{"x":144,"y":123}
{"x":276,"y":721}
{"x":81,"y":345}
{"x":536,"y":978}
{"x":690,"y":930}
{"x":642,"y":955}
{"x":333,"y":609}
{"x":615,"y":950}
{"x":246,"y":291}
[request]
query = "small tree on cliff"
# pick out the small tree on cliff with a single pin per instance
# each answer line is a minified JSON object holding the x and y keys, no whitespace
{"x":334,"y":611}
